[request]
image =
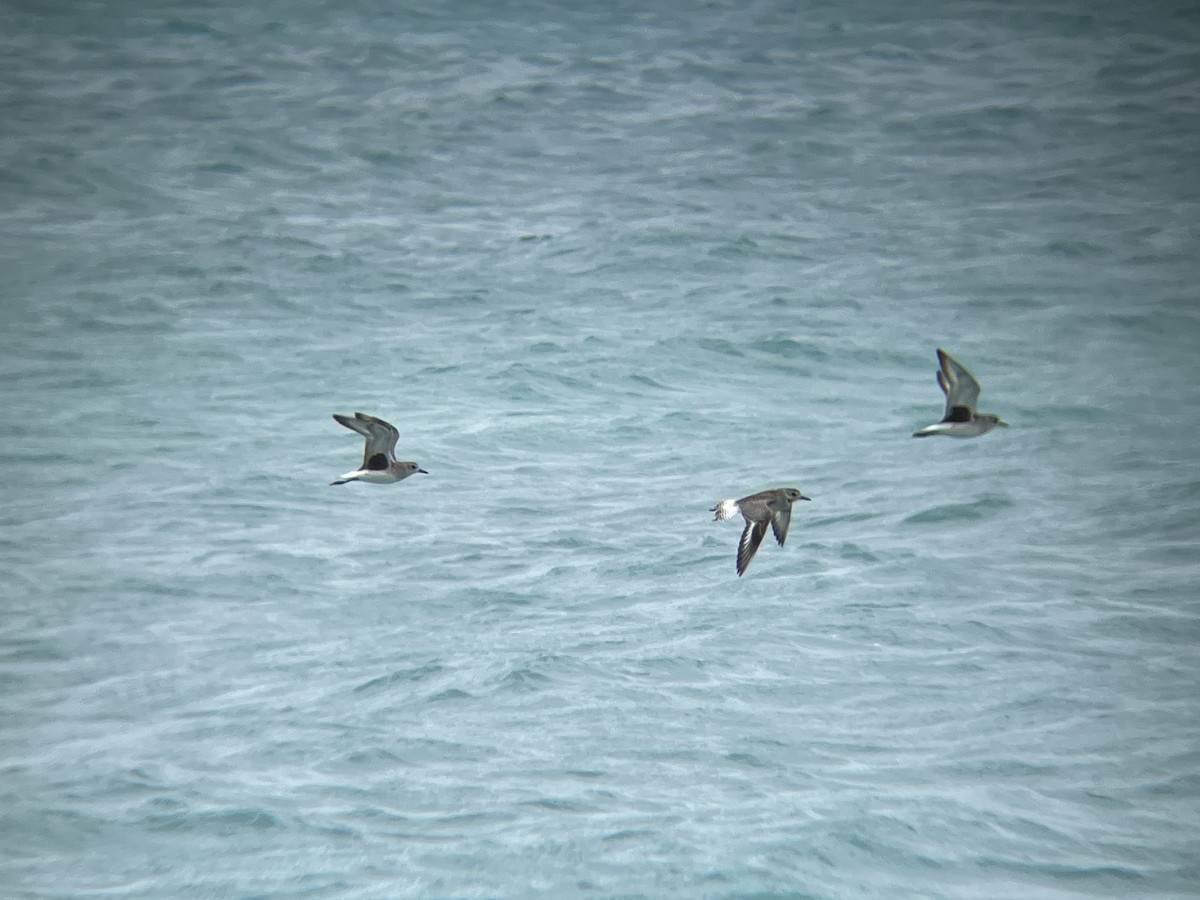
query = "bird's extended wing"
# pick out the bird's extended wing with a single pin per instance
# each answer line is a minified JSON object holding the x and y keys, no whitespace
{"x":962,"y":390}
{"x":380,"y":436}
{"x":752,"y":536}
{"x":780,"y":520}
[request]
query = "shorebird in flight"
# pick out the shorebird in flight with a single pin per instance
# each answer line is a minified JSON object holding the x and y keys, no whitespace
{"x":772,"y":507}
{"x":379,"y":465}
{"x":962,"y":393}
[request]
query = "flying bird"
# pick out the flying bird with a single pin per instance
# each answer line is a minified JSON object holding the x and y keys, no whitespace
{"x":962,"y":393}
{"x":379,"y":465}
{"x":773,"y":507}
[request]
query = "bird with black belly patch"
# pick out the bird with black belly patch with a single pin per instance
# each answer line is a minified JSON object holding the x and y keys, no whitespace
{"x":379,"y":465}
{"x":960,"y":419}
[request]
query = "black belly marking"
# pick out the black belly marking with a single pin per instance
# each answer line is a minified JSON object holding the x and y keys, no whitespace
{"x":958,"y":414}
{"x":378,"y":462}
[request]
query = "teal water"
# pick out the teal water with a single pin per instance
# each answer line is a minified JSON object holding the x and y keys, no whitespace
{"x":602,"y":269}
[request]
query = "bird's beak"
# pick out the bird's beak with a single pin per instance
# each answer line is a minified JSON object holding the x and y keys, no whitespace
{"x":998,"y":422}
{"x":422,"y":471}
{"x":802,"y":497}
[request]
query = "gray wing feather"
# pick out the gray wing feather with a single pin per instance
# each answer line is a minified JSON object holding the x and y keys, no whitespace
{"x":780,"y":519}
{"x":380,"y":436}
{"x":752,"y":536}
{"x":960,"y":385}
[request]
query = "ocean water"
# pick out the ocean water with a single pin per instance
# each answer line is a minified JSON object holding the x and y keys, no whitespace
{"x":603,"y":267}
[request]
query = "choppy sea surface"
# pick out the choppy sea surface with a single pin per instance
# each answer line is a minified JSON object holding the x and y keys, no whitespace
{"x":602,"y":265}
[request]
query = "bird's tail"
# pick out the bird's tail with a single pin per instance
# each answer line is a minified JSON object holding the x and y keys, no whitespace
{"x":724,"y":510}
